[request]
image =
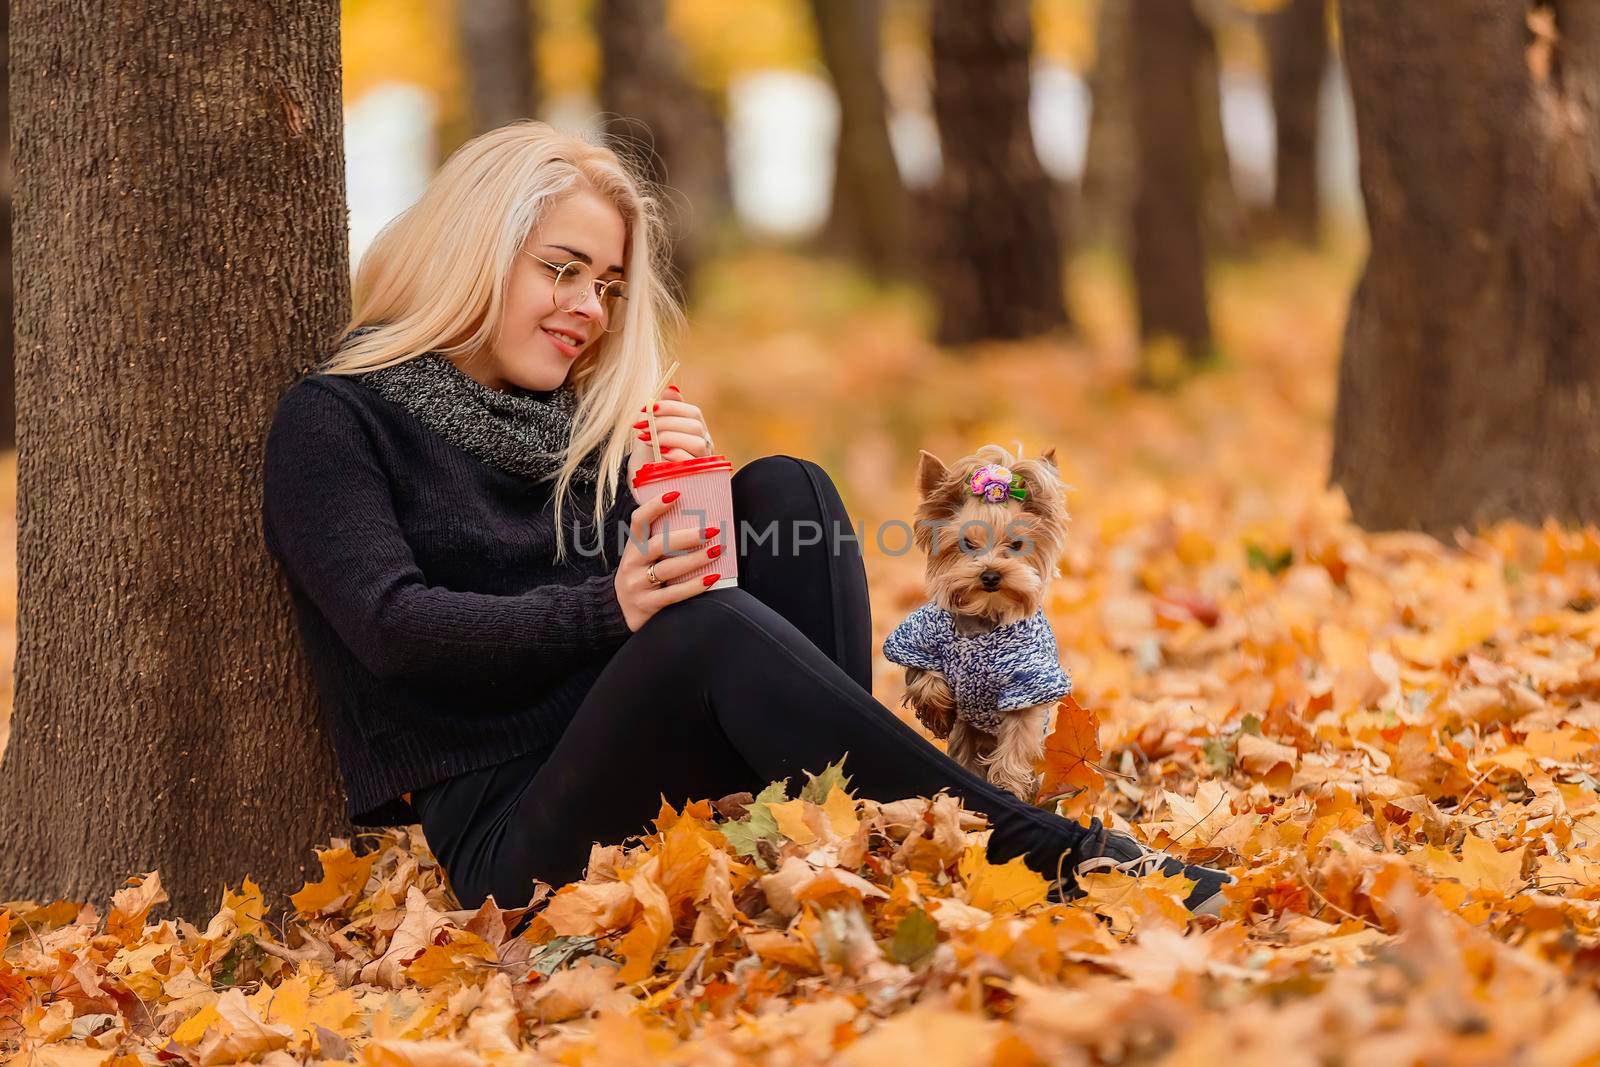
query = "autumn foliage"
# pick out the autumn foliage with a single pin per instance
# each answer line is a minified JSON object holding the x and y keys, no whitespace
{"x":1390,"y":740}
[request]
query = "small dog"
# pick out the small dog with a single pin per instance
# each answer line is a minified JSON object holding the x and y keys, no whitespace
{"x":981,"y":663}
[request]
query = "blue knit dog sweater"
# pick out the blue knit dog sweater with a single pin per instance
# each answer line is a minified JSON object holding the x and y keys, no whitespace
{"x":1013,"y":666}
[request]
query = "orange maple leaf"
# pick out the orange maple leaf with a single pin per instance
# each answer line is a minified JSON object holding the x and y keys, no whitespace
{"x":1072,"y":754}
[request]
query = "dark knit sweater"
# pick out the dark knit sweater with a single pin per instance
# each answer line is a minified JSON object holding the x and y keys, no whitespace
{"x":441,"y":634}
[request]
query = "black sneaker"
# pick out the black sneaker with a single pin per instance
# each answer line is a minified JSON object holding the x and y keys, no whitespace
{"x":1104,"y":849}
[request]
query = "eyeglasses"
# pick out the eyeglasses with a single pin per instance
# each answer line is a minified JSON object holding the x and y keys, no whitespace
{"x":573,"y":282}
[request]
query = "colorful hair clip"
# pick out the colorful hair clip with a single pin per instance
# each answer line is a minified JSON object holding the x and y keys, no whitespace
{"x":997,"y":484}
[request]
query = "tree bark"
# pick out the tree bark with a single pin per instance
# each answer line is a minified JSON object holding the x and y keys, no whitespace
{"x":668,"y":126}
{"x":1111,"y":158}
{"x":1471,"y":367}
{"x":996,"y":271}
{"x":870,"y":219}
{"x":8,"y":358}
{"x":180,"y":203}
{"x":497,"y":45}
{"x":1169,"y":262}
{"x":1297,"y":51}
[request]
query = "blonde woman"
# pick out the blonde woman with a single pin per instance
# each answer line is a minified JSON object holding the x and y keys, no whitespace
{"x":501,"y":649}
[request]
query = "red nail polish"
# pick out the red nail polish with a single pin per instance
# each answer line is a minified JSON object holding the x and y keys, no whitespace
{"x":713,"y":552}
{"x":710,"y":579}
{"x":674,"y":388}
{"x":712,"y":531}
{"x":655,"y":407}
{"x":670,"y":497}
{"x":642,"y":424}
{"x":644,"y":435}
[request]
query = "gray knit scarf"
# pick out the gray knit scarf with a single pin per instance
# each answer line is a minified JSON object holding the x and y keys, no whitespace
{"x":523,"y":432}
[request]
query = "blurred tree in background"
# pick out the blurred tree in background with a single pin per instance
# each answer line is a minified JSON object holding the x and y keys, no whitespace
{"x":996,"y":268}
{"x":1168,"y":42}
{"x":1297,"y":47}
{"x":498,"y":42}
{"x":1471,"y":372}
{"x":182,"y":261}
{"x":662,"y":120}
{"x":870,"y":218}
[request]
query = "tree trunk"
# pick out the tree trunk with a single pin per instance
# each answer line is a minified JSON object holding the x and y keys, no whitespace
{"x":497,"y":51}
{"x":996,"y":271}
{"x":1111,"y":158}
{"x":667,"y":125}
{"x":1297,"y":49}
{"x":8,"y":359}
{"x":870,"y":219}
{"x":1471,"y":368}
{"x":1222,"y":216}
{"x":182,"y":260}
{"x":1169,"y":263}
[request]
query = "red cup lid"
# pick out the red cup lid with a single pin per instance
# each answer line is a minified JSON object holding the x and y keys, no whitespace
{"x":655,"y":472}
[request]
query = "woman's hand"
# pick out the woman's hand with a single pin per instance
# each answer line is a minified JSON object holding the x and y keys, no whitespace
{"x":680,"y":429}
{"x":690,"y":548}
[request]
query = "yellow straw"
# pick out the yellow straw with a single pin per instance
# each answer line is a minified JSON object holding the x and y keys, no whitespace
{"x":650,"y":409}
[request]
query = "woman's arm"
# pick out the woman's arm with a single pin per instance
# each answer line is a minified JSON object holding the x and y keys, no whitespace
{"x":329,"y":519}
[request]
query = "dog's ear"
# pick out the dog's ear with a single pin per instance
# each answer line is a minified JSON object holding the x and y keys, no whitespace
{"x":1049,"y":456}
{"x":930,"y":472}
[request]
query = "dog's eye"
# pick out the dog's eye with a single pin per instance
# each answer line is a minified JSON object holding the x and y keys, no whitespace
{"x":968,"y":544}
{"x":1016,"y":546}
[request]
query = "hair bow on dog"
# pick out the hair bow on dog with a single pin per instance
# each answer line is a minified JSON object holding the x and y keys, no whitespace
{"x":997,"y":484}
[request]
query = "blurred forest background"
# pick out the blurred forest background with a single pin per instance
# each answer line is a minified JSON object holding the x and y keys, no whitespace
{"x":1302,"y":295}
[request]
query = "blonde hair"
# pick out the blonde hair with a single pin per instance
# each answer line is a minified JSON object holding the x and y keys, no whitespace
{"x":434,"y":280}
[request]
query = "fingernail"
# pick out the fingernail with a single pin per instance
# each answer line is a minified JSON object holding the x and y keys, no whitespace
{"x":712,"y":531}
{"x":644,"y":435}
{"x":714,"y":551}
{"x":674,"y":388}
{"x":642,"y":424}
{"x":670,"y":497}
{"x":710,"y":579}
{"x":655,"y":407}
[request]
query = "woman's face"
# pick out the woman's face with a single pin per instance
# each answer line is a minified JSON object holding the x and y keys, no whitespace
{"x":584,"y":226}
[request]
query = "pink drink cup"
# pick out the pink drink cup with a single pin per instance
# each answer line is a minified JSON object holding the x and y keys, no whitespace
{"x":706,"y":485}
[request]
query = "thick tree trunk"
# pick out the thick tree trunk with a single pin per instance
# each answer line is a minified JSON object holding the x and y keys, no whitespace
{"x":1297,"y":49}
{"x":996,"y":272}
{"x":8,"y":359}
{"x":1169,"y":263}
{"x":870,"y":219}
{"x":497,"y":51}
{"x":182,"y":259}
{"x":1222,"y":217}
{"x":1111,"y":158}
{"x":667,"y":125}
{"x":1471,"y":371}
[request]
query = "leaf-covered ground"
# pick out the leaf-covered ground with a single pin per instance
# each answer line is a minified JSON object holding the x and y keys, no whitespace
{"x":1391,"y":741}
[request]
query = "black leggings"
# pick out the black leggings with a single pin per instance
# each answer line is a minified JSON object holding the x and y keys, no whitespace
{"x":726,"y":691}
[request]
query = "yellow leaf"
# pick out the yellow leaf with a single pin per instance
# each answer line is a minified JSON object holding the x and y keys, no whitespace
{"x":1000,"y":889}
{"x":840,"y":809}
{"x":344,"y":876}
{"x":196,"y":1026}
{"x":247,"y":907}
{"x":791,"y":816}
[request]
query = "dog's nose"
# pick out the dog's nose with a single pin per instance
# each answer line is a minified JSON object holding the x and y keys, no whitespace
{"x":990,"y":579}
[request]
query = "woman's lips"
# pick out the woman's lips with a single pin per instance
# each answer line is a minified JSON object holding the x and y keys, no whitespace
{"x":570,"y":351}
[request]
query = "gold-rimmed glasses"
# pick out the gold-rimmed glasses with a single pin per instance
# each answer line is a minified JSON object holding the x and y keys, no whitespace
{"x":573,"y":282}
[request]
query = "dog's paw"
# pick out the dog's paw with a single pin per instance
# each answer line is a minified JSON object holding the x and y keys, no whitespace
{"x":928,"y":694}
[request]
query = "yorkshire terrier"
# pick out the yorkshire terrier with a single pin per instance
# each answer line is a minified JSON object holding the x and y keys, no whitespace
{"x":982,"y":669}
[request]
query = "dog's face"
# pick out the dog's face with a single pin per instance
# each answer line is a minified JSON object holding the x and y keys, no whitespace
{"x":987,"y":561}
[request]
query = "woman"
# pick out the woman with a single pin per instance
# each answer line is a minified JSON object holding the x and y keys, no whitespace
{"x":524,"y":687}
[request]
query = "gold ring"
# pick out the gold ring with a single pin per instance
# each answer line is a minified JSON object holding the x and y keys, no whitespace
{"x":650,"y":573}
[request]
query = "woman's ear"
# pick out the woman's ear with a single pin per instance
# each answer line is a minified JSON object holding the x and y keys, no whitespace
{"x":930,"y":472}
